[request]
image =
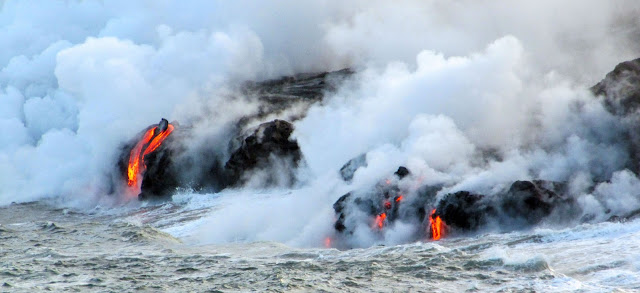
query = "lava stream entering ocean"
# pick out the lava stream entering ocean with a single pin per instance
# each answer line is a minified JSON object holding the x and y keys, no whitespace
{"x":380,"y":220}
{"x":437,"y":226}
{"x":150,"y":142}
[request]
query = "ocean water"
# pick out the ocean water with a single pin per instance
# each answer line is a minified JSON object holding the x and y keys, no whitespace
{"x":149,"y":249}
{"x":468,"y":95}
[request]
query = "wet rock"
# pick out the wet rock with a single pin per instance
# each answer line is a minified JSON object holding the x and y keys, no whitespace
{"x":402,"y":172}
{"x":161,"y":177}
{"x":268,"y":142}
{"x":348,"y":203}
{"x":171,"y":166}
{"x":620,"y":93}
{"x":306,"y":86}
{"x":363,"y":206}
{"x":339,"y":207}
{"x":621,"y":88}
{"x":465,"y":210}
{"x":299,"y":91}
{"x":158,"y":172}
{"x":349,"y":169}
{"x":523,"y":204}
{"x":528,"y":202}
{"x":632,"y":215}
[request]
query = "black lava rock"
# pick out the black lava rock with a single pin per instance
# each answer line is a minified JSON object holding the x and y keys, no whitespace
{"x":465,"y":210}
{"x":527,"y":203}
{"x":170,"y":167}
{"x":621,"y":88}
{"x":268,"y":142}
{"x":349,"y":169}
{"x":402,"y":172}
{"x":385,"y":198}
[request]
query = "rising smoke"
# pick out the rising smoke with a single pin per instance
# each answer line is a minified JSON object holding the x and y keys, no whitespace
{"x":469,"y":94}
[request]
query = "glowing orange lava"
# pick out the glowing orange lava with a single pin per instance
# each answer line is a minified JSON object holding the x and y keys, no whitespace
{"x":148,"y":143}
{"x":155,"y":143}
{"x":134,"y":157}
{"x":399,"y":198}
{"x":437,"y":226}
{"x":380,"y":220}
{"x":327,"y":242}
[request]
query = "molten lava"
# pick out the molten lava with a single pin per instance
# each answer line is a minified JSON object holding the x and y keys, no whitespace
{"x":155,"y":143}
{"x":150,"y":142}
{"x":399,"y":198}
{"x":437,"y":226}
{"x":327,"y":242}
{"x":380,"y":220}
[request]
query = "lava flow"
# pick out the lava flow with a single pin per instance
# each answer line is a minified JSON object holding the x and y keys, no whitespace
{"x":380,"y":220}
{"x":327,"y":242}
{"x":150,"y":142}
{"x":437,"y":226}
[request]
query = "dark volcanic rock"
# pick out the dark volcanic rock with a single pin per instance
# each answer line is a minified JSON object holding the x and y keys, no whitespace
{"x":527,"y":201}
{"x":161,"y":174}
{"x":268,"y":141}
{"x":402,"y":172}
{"x":620,"y":93}
{"x":339,"y":207}
{"x":621,"y":88}
{"x":349,"y":169}
{"x":306,"y":86}
{"x":523,"y":204}
{"x":171,"y":166}
{"x":465,"y":210}
{"x":385,"y":198}
{"x":299,"y":91}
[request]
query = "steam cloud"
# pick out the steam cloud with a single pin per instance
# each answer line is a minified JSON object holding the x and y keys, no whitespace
{"x":470,"y":94}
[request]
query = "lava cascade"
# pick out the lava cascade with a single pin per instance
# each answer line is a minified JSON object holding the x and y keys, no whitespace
{"x":437,"y":226}
{"x":150,"y":141}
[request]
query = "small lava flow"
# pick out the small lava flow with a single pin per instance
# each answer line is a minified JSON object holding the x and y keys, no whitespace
{"x":149,"y":142}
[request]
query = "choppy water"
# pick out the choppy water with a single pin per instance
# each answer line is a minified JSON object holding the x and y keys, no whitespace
{"x":129,"y":249}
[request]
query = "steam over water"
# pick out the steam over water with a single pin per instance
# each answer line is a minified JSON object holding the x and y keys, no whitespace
{"x":469,"y":95}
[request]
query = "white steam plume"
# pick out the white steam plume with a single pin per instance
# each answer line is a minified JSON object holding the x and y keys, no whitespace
{"x":440,"y":84}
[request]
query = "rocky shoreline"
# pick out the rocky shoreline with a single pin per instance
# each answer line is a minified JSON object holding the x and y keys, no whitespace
{"x":269,"y":146}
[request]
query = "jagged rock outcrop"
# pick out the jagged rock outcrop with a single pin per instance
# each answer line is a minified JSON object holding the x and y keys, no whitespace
{"x":268,"y":142}
{"x":391,"y":201}
{"x":465,"y":210}
{"x":621,"y":88}
{"x":349,"y":169}
{"x":169,"y":166}
{"x":268,"y":146}
{"x":523,"y":204}
{"x":300,"y":91}
{"x":386,"y":200}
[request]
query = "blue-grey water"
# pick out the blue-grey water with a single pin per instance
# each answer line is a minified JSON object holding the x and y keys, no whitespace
{"x":149,"y":249}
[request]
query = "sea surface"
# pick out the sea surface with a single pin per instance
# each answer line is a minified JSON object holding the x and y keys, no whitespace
{"x":147,"y":248}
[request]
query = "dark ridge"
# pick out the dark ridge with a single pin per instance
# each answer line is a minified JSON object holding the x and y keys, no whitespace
{"x":256,"y":151}
{"x":171,"y":166}
{"x":307,"y":86}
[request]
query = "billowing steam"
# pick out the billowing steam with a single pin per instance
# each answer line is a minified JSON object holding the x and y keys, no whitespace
{"x":472,"y":95}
